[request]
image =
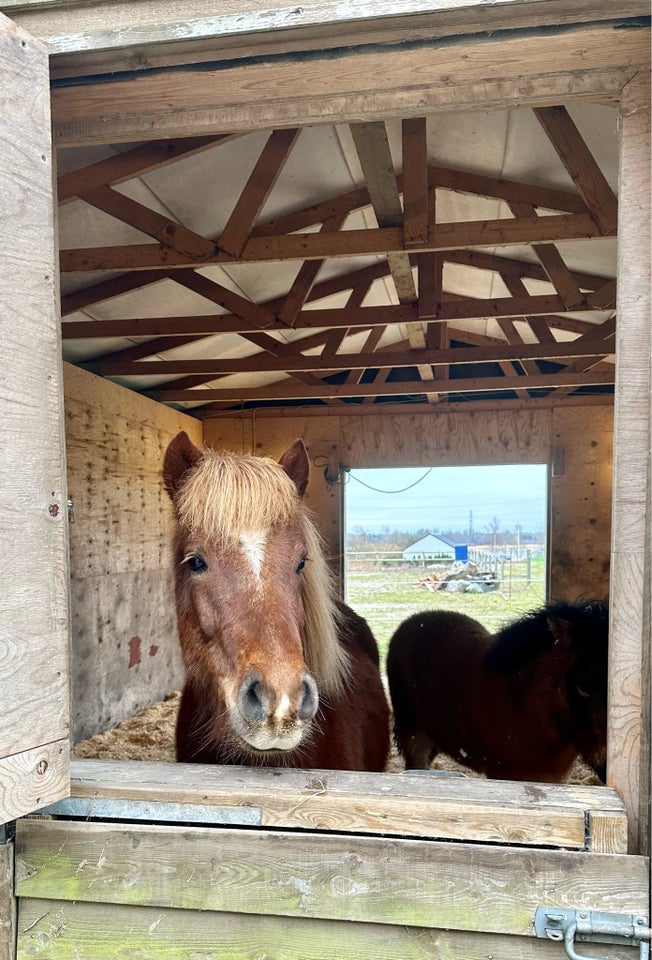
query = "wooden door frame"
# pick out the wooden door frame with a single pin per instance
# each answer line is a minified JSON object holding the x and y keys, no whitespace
{"x":564,"y":63}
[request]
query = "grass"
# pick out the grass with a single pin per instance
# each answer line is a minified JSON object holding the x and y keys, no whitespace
{"x":385,"y":596}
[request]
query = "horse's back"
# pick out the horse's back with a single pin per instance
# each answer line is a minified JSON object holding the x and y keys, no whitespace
{"x":434,"y":670}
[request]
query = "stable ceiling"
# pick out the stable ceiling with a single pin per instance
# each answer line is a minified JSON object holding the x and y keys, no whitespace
{"x":464,"y":258}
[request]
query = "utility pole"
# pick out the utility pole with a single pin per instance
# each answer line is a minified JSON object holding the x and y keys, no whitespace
{"x":470,"y":526}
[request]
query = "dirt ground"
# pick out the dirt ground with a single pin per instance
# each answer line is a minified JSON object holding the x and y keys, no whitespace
{"x":149,"y":735}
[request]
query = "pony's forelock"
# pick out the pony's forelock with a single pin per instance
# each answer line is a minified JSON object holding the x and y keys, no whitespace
{"x":225,"y":494}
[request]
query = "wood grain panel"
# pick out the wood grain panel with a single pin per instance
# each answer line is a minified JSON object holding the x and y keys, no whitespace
{"x":124,"y":639}
{"x":34,"y":571}
{"x":327,"y":876}
{"x":629,"y":673}
{"x":92,"y":931}
{"x":580,"y":503}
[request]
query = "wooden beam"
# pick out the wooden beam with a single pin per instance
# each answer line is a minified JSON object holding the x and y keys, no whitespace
{"x":580,"y":165}
{"x":415,"y":181}
{"x":347,"y":243}
{"x":252,"y":314}
{"x":133,"y":163}
{"x":168,"y":232}
{"x":551,"y":260}
{"x":401,"y":408}
{"x":284,"y":391}
{"x":406,"y":81}
{"x":305,"y":279}
{"x":292,"y":360}
{"x":255,"y":315}
{"x":630,"y":636}
{"x":257,"y":189}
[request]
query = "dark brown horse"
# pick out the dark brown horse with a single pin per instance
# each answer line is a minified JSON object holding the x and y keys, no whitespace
{"x":520,"y":705}
{"x":277,"y":672}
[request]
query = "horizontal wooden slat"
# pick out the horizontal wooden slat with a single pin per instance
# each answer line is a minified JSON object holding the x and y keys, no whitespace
{"x":330,"y":876}
{"x":90,"y":931}
{"x":406,"y":805}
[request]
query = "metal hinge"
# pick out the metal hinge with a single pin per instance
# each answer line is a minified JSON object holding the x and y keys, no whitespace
{"x":571,"y":926}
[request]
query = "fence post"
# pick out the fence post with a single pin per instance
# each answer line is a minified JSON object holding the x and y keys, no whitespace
{"x":528,"y":575}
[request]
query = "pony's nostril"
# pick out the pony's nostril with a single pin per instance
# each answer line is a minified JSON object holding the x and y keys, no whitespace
{"x":309,"y":700}
{"x":252,"y":700}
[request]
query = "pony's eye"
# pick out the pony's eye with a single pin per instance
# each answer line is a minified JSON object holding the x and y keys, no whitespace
{"x":196,"y":563}
{"x":301,"y":564}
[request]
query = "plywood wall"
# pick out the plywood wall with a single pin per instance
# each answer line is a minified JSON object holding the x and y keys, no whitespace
{"x":124,"y":638}
{"x":580,"y":438}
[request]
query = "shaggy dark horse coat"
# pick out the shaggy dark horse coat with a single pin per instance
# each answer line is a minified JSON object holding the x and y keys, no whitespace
{"x":277,"y":672}
{"x":520,"y":705}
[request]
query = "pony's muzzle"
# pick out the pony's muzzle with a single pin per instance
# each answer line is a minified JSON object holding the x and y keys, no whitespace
{"x":275,"y":719}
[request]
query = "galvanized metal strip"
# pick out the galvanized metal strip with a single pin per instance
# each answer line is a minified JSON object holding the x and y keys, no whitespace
{"x":89,"y":808}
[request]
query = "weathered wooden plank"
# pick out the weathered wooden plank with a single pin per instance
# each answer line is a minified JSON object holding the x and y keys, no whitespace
{"x":329,"y":876}
{"x":7,"y":901}
{"x":34,"y":571}
{"x":90,"y":931}
{"x":34,"y":778}
{"x":444,"y":807}
{"x":414,"y":80}
{"x":629,"y":666}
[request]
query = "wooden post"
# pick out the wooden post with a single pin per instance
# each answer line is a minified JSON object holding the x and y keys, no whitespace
{"x":629,"y":655}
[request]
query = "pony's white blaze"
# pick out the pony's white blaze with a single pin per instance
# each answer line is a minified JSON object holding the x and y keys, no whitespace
{"x":283,"y":707}
{"x":253,"y":548}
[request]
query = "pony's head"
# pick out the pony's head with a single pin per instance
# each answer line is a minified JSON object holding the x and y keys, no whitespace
{"x":255,"y":609}
{"x":568,"y":643}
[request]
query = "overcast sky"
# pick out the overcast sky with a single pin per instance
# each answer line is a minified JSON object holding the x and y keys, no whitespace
{"x":443,"y":497}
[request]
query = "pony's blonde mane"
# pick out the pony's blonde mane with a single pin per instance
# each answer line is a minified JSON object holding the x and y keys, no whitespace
{"x":225,"y":494}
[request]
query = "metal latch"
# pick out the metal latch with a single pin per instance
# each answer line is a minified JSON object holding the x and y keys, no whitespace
{"x":569,"y":926}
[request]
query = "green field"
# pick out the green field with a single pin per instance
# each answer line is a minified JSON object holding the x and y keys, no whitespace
{"x":386,"y":595}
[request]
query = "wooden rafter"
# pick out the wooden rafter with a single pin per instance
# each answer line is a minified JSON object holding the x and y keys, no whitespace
{"x":408,"y":244}
{"x":349,"y":243}
{"x":581,"y":166}
{"x":281,"y":390}
{"x":258,"y":187}
{"x":254,"y":315}
{"x":287,"y":360}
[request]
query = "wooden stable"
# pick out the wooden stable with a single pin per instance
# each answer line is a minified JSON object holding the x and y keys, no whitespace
{"x":157,"y":861}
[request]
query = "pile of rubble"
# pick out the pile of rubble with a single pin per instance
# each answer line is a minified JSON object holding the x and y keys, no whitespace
{"x":462,"y":576}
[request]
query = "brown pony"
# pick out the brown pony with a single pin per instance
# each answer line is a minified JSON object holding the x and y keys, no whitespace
{"x":277,"y":672}
{"x":520,"y":705}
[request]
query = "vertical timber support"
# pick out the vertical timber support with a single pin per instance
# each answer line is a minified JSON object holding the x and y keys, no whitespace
{"x":629,"y":667}
{"x":7,"y":899}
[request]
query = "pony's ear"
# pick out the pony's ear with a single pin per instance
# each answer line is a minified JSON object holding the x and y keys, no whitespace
{"x":297,"y":466}
{"x":180,"y":457}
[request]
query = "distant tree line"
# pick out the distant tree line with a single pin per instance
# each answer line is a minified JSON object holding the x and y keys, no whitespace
{"x":493,"y":535}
